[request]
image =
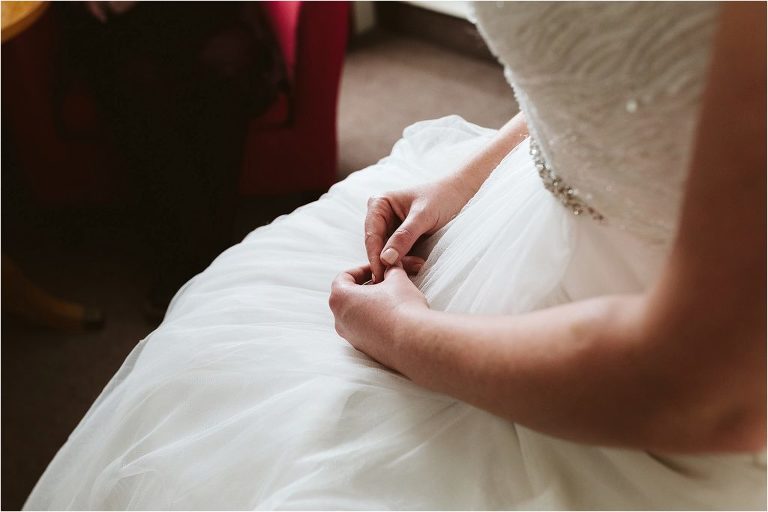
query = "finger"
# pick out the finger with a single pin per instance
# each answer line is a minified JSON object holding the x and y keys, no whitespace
{"x":355,"y":276}
{"x":378,"y":222}
{"x":402,"y":240}
{"x":346,"y":285}
{"x":395,"y":272}
{"x":412,"y":264}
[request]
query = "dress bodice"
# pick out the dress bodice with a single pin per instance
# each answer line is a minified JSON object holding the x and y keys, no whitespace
{"x":611,"y":92}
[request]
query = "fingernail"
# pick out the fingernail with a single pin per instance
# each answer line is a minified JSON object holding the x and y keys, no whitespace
{"x":389,"y":256}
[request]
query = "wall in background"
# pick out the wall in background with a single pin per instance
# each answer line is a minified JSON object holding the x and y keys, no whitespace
{"x":458,"y":9}
{"x":363,"y":17}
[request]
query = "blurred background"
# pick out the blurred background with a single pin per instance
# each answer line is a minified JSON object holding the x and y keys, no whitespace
{"x":140,"y":140}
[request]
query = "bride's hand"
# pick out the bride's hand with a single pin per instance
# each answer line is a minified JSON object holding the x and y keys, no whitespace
{"x":367,"y":315}
{"x":419,"y":211}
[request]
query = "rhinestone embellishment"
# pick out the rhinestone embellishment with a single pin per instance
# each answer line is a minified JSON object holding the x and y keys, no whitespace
{"x":564,"y":193}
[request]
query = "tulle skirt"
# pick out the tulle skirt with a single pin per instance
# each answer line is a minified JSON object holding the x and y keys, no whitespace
{"x":246,"y":398}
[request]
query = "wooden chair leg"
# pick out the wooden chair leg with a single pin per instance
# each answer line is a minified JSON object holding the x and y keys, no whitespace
{"x":21,"y":297}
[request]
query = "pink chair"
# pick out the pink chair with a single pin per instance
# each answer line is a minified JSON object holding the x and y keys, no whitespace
{"x":298,"y":152}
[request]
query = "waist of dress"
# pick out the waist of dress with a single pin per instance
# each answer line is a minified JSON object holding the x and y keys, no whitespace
{"x":562,"y":191}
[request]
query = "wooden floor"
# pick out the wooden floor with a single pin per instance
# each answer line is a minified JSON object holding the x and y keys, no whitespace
{"x":50,"y":379}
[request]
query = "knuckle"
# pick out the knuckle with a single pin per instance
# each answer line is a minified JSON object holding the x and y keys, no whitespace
{"x":377,"y":200}
{"x":418,"y":208}
{"x":378,"y":215}
{"x":403,"y":233}
{"x":335,"y":301}
{"x":424,"y":213}
{"x":418,"y":205}
{"x":335,"y":289}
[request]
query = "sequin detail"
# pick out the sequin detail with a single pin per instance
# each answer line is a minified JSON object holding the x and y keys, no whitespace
{"x":566,"y":194}
{"x":611,"y":91}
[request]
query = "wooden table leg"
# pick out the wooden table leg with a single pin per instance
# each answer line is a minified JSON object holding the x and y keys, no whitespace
{"x":23,"y":298}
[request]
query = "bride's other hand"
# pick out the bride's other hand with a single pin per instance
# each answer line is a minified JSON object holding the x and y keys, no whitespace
{"x":396,"y":220}
{"x":367,"y":316}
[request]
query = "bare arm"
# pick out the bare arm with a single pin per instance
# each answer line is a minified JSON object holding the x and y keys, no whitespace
{"x":476,"y":171}
{"x":681,"y":368}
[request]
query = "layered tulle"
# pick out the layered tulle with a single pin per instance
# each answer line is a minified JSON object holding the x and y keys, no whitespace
{"x":246,"y":398}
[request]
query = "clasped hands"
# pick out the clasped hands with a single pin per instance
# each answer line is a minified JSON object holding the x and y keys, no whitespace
{"x":370,"y":314}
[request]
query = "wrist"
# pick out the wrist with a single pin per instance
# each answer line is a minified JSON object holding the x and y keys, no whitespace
{"x":409,"y":324}
{"x":464,"y":184}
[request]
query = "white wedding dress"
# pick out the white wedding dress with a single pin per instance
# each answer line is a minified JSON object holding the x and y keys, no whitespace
{"x":246,"y":398}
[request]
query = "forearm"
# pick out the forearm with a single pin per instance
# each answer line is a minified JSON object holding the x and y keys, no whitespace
{"x":583,"y":371}
{"x":473,"y":173}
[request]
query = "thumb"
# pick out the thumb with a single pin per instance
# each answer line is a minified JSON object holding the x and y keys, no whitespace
{"x":402,"y":240}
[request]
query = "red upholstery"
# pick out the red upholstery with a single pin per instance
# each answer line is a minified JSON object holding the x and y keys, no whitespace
{"x":285,"y":22}
{"x":302,"y":154}
{"x":291,"y":148}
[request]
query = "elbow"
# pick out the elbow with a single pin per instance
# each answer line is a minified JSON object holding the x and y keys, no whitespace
{"x":709,"y":394}
{"x":711,"y":425}
{"x":741,"y":429}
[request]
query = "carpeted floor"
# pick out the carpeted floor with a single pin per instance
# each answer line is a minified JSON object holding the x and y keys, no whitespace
{"x":392,"y":82}
{"x":49,"y":379}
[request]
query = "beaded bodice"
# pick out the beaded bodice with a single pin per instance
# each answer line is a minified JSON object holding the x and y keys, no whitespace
{"x":611,"y":92}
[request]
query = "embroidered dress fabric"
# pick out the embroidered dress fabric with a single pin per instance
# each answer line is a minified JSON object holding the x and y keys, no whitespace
{"x":246,"y":398}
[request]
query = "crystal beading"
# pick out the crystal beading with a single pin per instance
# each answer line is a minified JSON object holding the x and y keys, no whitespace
{"x":566,"y":194}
